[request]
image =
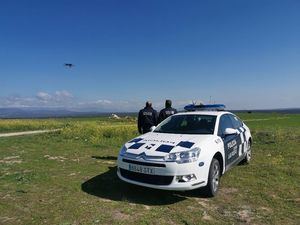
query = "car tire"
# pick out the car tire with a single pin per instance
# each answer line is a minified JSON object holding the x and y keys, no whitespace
{"x":248,"y":155}
{"x":214,"y":175}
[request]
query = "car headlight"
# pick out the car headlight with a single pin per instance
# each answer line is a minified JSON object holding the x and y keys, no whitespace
{"x":183,"y":157}
{"x":123,"y":150}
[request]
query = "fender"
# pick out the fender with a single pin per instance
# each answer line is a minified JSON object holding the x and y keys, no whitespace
{"x":215,"y":144}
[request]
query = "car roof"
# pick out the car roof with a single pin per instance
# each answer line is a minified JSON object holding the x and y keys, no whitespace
{"x":211,"y":113}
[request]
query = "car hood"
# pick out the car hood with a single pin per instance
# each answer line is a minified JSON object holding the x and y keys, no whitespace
{"x":161,"y":144}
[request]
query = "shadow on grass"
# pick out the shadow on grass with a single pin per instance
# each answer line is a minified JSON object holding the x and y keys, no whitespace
{"x":108,"y":186}
{"x":105,"y":157}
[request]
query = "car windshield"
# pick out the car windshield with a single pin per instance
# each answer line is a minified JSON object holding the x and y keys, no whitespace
{"x":188,"y":124}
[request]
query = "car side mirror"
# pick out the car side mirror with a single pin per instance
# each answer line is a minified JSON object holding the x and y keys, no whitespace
{"x":152,"y":128}
{"x":230,"y":131}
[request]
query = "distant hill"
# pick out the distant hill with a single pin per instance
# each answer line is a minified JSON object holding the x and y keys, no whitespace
{"x":285,"y":110}
{"x":49,"y":113}
{"x":6,"y":113}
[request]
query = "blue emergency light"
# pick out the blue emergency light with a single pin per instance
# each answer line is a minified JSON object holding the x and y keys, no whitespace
{"x":208,"y":107}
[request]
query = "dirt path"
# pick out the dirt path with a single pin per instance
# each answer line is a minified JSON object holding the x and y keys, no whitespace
{"x":28,"y":132}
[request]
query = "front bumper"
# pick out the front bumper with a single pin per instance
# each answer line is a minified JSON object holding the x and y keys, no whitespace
{"x":166,"y":174}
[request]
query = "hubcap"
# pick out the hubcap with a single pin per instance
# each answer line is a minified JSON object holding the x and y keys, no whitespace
{"x":216,"y":177}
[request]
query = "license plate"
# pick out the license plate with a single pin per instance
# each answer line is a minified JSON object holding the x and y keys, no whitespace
{"x":141,"y":169}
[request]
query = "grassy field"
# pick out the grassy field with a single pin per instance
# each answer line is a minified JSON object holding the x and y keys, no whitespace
{"x":69,"y":177}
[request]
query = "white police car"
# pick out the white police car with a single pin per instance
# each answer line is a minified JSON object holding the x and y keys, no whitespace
{"x":186,"y":151}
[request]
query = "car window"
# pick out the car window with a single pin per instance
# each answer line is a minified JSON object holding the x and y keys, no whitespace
{"x":235,"y":121}
{"x":188,"y":124}
{"x":225,"y":122}
{"x":240,"y":121}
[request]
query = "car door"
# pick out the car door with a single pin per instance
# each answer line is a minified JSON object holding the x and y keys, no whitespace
{"x":231,"y":142}
{"x":237,"y":124}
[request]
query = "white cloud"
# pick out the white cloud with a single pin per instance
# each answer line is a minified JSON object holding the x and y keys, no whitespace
{"x":43,"y":96}
{"x":66,"y":100}
{"x":59,"y":97}
{"x":63,"y":94}
{"x":63,"y":97}
{"x":16,"y":101}
{"x":41,"y":99}
{"x":103,"y":101}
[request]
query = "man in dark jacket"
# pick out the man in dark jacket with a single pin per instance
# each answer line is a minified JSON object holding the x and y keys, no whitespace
{"x":167,"y":111}
{"x":147,"y":118}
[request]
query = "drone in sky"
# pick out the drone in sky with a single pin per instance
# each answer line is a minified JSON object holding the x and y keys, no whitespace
{"x":69,"y":65}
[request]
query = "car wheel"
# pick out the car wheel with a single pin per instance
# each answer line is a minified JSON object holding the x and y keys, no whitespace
{"x":248,"y":155}
{"x":213,"y":178}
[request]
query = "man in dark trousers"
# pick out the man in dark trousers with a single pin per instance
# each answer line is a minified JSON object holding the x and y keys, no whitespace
{"x":167,"y":111}
{"x":147,"y":118}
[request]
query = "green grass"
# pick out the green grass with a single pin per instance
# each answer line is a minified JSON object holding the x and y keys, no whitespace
{"x":69,"y":177}
{"x":12,"y":125}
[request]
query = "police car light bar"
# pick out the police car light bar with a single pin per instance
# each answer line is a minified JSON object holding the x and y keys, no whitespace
{"x":209,"y":107}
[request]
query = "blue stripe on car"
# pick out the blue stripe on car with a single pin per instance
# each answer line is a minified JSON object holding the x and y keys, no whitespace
{"x":244,"y":134}
{"x":243,"y":148}
{"x":185,"y":144}
{"x":136,"y":140}
{"x":136,"y":146}
{"x":165,"y":148}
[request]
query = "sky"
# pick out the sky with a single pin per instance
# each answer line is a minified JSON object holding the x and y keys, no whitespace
{"x":244,"y":54}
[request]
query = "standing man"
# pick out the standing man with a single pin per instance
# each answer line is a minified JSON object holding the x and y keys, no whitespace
{"x":167,"y":111}
{"x":147,"y":118}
